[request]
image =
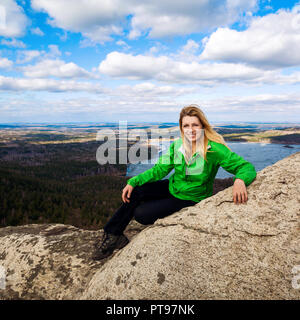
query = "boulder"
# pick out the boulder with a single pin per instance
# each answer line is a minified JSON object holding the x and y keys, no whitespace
{"x":46,"y":261}
{"x":216,"y":249}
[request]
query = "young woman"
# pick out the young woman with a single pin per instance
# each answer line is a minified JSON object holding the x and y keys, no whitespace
{"x":196,"y":157}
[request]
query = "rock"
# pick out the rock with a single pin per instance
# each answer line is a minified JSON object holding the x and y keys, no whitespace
{"x":46,"y":261}
{"x":49,"y":261}
{"x":213,"y":250}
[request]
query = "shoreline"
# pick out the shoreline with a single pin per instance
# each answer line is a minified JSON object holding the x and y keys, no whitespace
{"x":293,"y":144}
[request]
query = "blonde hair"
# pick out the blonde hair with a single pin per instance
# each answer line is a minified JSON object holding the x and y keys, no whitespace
{"x":209,"y":132}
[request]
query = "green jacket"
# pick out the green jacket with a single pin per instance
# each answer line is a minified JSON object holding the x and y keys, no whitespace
{"x":195,"y":180}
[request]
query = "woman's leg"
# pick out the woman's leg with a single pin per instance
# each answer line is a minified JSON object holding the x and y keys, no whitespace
{"x":149,"y":191}
{"x":148,"y":212}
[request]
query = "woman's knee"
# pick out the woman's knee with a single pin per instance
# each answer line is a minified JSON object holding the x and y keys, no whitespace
{"x":136,"y":193}
{"x":141,"y":216}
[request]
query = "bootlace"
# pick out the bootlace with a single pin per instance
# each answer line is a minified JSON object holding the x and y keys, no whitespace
{"x":104,"y":239}
{"x":107,"y":240}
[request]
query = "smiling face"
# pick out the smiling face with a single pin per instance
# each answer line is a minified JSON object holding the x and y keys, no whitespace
{"x":191,"y":127}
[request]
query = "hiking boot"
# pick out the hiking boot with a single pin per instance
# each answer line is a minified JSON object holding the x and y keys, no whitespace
{"x":108,"y":244}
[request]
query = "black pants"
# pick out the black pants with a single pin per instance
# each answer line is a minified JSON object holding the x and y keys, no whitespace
{"x":148,"y":203}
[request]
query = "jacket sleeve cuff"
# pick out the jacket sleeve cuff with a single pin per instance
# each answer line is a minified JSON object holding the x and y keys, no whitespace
{"x":234,"y":178}
{"x":248,"y":179}
{"x":132,"y":182}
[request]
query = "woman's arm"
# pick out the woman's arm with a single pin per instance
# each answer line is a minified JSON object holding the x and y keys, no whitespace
{"x":162,"y":167}
{"x":243,"y":170}
{"x":235,"y":164}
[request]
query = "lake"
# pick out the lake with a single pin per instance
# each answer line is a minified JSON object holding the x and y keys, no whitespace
{"x":260,"y":155}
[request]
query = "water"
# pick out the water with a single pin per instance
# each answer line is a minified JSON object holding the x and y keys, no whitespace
{"x":260,"y":155}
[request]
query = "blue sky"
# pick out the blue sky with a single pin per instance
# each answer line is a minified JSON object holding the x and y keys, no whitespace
{"x":135,"y":60}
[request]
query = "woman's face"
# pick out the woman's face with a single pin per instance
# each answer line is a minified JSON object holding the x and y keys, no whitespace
{"x":191,"y":127}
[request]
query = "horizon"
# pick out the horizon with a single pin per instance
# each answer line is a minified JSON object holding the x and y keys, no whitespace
{"x":144,"y":122}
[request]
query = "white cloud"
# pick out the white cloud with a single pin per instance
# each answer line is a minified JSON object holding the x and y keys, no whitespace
{"x":51,"y":85}
{"x":145,"y":90}
{"x":13,"y":20}
{"x":24,"y":56}
{"x":227,"y":108}
{"x":284,"y":104}
{"x":176,"y":17}
{"x":137,"y":67}
{"x":268,"y":8}
{"x":99,"y":20}
{"x":187,"y":52}
{"x":271,"y":41}
{"x":164,"y":68}
{"x":95,"y":19}
{"x":37,"y":31}
{"x":55,"y":68}
{"x":123,"y":44}
{"x":153,"y":50}
{"x":54,"y":51}
{"x":158,"y":47}
{"x":190,"y":46}
{"x":63,"y":36}
{"x":140,"y":92}
{"x":13,"y":43}
{"x":5,"y":63}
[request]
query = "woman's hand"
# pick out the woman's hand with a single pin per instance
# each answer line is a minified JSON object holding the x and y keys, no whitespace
{"x":239,"y":191}
{"x":126,"y":193}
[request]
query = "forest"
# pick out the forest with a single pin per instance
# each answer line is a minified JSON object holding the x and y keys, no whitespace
{"x":48,"y":194}
{"x":57,"y":183}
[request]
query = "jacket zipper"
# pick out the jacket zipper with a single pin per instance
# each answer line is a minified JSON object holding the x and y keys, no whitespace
{"x":186,"y":165}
